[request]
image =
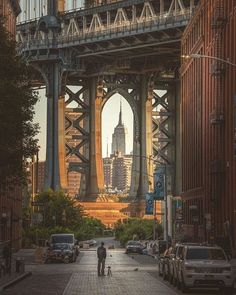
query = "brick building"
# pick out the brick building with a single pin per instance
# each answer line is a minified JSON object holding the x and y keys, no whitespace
{"x":10,"y":194}
{"x":208,"y":123}
{"x":10,"y":9}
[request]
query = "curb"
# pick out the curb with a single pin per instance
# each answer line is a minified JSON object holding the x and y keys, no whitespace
{"x":15,"y":281}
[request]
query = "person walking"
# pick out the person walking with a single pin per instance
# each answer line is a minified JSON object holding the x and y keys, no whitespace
{"x":101,"y":254}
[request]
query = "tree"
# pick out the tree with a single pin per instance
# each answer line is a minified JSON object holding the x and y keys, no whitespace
{"x":58,"y":209}
{"x":88,"y":228}
{"x":135,"y":227}
{"x":17,"y":100}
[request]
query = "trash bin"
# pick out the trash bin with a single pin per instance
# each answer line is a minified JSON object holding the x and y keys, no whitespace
{"x":20,"y":265}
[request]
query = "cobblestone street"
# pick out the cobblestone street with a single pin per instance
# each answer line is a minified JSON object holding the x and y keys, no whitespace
{"x":131,"y":275}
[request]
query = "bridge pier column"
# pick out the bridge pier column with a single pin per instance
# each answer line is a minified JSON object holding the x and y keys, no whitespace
{"x":146,"y":162}
{"x":96,"y":177}
{"x":55,"y":174}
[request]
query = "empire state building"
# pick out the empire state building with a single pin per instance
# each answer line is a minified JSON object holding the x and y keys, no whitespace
{"x":119,"y":137}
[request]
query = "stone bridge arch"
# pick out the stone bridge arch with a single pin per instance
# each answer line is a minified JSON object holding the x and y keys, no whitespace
{"x":131,"y":99}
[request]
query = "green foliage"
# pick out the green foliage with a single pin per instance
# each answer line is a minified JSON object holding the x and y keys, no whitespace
{"x":17,"y":100}
{"x":33,"y":234}
{"x":140,"y":229}
{"x":69,"y":218}
{"x":89,"y":228}
{"x":59,"y":209}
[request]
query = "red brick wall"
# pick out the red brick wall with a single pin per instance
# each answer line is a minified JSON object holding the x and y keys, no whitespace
{"x":11,"y":215}
{"x":208,"y":89}
{"x":9,"y":9}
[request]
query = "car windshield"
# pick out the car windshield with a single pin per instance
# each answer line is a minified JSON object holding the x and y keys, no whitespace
{"x":60,"y":247}
{"x":134,"y":243}
{"x":62,"y":239}
{"x":205,"y":254}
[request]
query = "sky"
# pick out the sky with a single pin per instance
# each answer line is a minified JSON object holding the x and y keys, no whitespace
{"x":110,"y":118}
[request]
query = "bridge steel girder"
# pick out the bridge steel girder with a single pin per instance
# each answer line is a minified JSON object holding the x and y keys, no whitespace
{"x":164,"y":130}
{"x":145,"y":108}
{"x":100,"y":48}
{"x":55,"y":174}
{"x":96,"y":176}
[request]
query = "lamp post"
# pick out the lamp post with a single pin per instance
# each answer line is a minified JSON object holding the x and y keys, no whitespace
{"x":197,"y":55}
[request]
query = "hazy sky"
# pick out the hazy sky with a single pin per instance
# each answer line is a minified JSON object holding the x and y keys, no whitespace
{"x":110,"y":117}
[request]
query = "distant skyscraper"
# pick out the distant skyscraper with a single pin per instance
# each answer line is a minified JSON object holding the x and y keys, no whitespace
{"x":119,"y":137}
{"x":107,"y":167}
{"x":121,"y":172}
{"x":117,"y":167}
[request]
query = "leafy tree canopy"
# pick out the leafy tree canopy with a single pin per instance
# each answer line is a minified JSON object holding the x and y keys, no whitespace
{"x":17,"y":100}
{"x":58,"y":209}
{"x":135,"y":228}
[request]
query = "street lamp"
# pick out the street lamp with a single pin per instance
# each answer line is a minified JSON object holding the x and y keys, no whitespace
{"x":197,"y":55}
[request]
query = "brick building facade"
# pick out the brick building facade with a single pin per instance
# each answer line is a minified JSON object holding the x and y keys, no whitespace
{"x":10,"y":9}
{"x":208,"y":123}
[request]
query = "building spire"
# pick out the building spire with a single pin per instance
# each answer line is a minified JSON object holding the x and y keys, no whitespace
{"x":120,"y":115}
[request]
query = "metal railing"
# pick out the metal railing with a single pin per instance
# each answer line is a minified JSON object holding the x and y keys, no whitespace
{"x":124,"y":28}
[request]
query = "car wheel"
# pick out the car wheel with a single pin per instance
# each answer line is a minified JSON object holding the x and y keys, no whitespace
{"x":183,"y":288}
{"x":171,"y":279}
{"x":174,"y":281}
{"x":178,"y":283}
{"x":159,"y":270}
{"x":164,"y":275}
{"x":66,"y":260}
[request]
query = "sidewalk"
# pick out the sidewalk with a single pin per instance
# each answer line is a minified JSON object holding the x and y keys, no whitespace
{"x":11,"y":279}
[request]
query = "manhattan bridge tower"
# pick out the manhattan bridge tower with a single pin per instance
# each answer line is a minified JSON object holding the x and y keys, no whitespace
{"x":102,"y":48}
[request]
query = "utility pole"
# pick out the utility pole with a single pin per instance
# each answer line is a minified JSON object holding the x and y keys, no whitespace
{"x":166,"y":209}
{"x":154,"y":220}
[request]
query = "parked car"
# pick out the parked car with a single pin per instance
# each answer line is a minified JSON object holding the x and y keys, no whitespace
{"x":175,"y":259}
{"x":61,"y":252}
{"x":164,"y":264}
{"x":204,"y":267}
{"x":174,"y":263}
{"x":91,"y":242}
{"x":65,"y":238}
{"x":134,"y":247}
